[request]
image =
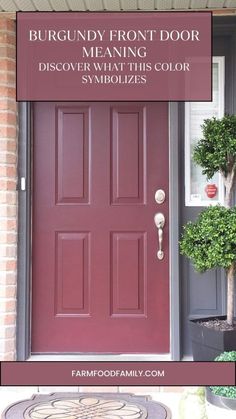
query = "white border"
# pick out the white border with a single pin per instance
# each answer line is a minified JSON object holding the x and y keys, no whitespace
{"x":188,"y":202}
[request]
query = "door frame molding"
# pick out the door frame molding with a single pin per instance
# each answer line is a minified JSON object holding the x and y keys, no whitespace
{"x":23,"y":332}
{"x":174,"y":228}
{"x":23,"y":323}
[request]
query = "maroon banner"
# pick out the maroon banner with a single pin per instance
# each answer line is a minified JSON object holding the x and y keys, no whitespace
{"x":114,"y":56}
{"x":117,"y":373}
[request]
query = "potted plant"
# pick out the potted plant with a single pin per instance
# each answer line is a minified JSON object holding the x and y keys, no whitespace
{"x":210,"y":241}
{"x":221,"y":400}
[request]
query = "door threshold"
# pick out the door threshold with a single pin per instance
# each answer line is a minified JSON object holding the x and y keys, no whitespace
{"x":100,"y":358}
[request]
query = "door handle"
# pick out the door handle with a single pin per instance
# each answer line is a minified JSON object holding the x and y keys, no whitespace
{"x":159,"y":220}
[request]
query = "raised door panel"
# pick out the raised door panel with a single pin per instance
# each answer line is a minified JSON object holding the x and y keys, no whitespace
{"x":128,"y":154}
{"x":128,"y":274}
{"x":72,"y":279}
{"x":72,"y":162}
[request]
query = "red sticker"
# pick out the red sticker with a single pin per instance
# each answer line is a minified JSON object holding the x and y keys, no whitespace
{"x":211,"y":190}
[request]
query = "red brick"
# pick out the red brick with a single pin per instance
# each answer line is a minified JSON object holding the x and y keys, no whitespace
{"x":7,"y":224}
{"x":7,"y":65}
{"x":8,"y":356}
{"x":7,"y":158}
{"x":7,"y":345}
{"x":8,"y":292}
{"x":9,"y":92}
{"x":8,"y":171}
{"x":8,"y":194}
{"x":8,"y":211}
{"x":7,"y":197}
{"x":7,"y":131}
{"x":7,"y":38}
{"x":8,"y":104}
{"x":7,"y":117}
{"x":8,"y":251}
{"x":7,"y":332}
{"x":7,"y":79}
{"x":139,"y":389}
{"x":102,"y":389}
{"x":8,"y":278}
{"x":7,"y":319}
{"x":7,"y":24}
{"x":169,"y":389}
{"x":8,"y":306}
{"x":10,"y":332}
{"x":8,"y":145}
{"x":8,"y":265}
{"x":7,"y":52}
{"x":8,"y":238}
{"x":7,"y":185}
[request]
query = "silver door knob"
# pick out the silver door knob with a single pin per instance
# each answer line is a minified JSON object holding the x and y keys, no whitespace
{"x":159,"y":220}
{"x":160,"y":196}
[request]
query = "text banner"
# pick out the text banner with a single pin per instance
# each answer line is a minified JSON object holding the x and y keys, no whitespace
{"x":117,"y":373}
{"x":114,"y":56}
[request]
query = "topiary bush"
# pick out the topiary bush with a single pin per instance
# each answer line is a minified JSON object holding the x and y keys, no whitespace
{"x":227,"y":391}
{"x":216,"y":151}
{"x":210,"y":241}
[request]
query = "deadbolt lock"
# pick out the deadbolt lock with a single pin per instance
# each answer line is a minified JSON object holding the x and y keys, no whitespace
{"x":160,"y":196}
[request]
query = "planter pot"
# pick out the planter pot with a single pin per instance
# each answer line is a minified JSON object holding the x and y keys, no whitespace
{"x":218,"y":407}
{"x":207,"y":343}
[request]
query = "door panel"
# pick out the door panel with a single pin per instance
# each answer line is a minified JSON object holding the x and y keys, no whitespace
{"x":128,"y":261}
{"x":72,"y":273}
{"x":128,"y":155}
{"x":97,"y":283}
{"x":72,"y":164}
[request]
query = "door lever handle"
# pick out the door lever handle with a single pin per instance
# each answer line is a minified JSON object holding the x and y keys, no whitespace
{"x":159,"y":221}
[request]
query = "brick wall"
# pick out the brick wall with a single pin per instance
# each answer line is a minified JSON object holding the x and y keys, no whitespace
{"x":8,"y":194}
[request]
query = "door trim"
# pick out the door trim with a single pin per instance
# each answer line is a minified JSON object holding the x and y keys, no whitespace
{"x":23,"y":334}
{"x":23,"y":324}
{"x":174,"y":228}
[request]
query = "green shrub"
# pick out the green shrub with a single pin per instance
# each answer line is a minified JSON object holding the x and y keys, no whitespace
{"x":216,"y":151}
{"x":227,"y":391}
{"x":227,"y":356}
{"x":210,"y":241}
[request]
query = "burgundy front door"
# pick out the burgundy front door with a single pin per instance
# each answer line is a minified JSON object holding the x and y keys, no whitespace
{"x":97,"y":283}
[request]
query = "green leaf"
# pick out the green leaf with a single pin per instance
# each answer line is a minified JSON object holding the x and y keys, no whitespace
{"x":216,"y":151}
{"x":210,"y":241}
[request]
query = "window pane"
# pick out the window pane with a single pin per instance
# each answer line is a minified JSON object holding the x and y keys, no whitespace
{"x":199,"y":191}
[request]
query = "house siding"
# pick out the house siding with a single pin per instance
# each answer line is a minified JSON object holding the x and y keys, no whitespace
{"x":8,"y":190}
